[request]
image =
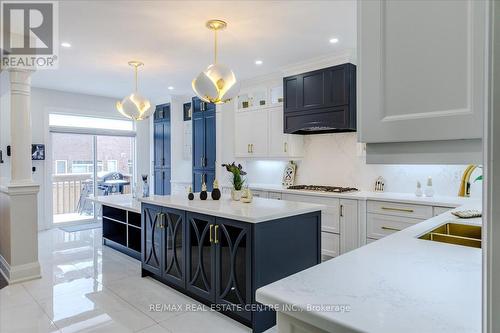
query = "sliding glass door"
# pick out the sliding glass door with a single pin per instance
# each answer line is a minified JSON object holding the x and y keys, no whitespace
{"x":73,"y":175}
{"x":84,"y":165}
{"x":115,"y":164}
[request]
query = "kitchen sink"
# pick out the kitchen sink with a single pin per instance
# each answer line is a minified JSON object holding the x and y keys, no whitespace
{"x":456,"y":233}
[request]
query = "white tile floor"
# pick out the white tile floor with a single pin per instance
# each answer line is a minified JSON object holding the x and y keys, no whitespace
{"x":86,"y":287}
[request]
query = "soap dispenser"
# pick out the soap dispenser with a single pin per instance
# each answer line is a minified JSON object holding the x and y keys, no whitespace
{"x":418,"y":191}
{"x":429,"y":190}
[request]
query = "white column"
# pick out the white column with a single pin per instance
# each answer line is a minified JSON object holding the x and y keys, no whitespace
{"x":18,"y":199}
{"x":20,"y":126}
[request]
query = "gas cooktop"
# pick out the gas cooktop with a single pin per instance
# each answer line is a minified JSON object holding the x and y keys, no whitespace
{"x":322,"y":188}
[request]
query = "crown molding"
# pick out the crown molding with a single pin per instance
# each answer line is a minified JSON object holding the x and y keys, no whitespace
{"x":323,"y":61}
{"x":311,"y":64}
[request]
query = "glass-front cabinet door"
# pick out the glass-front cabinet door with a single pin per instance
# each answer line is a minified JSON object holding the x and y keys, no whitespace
{"x":173,"y":246}
{"x":233,"y":260}
{"x":151,"y":239}
{"x":200,"y":255}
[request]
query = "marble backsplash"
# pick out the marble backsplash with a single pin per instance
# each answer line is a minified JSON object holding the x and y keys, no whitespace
{"x":337,"y":159}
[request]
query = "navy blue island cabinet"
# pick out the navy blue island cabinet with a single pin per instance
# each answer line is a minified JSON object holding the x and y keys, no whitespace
{"x":222,"y":262}
{"x":203,"y":119}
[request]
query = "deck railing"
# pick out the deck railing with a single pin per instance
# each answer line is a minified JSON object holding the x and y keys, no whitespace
{"x":69,"y":188}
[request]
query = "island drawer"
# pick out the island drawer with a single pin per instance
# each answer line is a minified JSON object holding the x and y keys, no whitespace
{"x":400,"y":209}
{"x":379,"y":226}
{"x":330,"y":245}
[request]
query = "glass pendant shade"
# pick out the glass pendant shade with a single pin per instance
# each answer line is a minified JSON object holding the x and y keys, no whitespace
{"x":135,"y":106}
{"x":216,"y":84}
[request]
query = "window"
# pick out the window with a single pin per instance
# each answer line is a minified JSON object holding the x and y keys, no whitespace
{"x":112,"y":165}
{"x":61,"y":167}
{"x":82,"y":167}
{"x":63,"y":120}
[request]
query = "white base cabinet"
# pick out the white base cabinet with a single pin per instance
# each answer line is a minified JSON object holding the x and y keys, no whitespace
{"x":339,"y":223}
{"x":385,"y":218}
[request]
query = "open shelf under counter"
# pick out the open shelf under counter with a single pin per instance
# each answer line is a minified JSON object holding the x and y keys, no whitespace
{"x":121,"y":224}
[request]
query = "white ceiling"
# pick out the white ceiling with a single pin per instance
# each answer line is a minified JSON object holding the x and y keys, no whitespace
{"x":171,"y":39}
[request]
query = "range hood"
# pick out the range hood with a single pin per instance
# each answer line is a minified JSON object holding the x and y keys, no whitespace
{"x":321,"y":101}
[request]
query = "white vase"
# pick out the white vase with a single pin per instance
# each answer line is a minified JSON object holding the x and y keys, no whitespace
{"x":235,"y":194}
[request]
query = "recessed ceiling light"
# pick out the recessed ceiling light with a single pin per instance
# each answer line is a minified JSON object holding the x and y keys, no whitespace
{"x":170,"y":88}
{"x":65,"y":44}
{"x":334,"y":40}
{"x":258,"y":62}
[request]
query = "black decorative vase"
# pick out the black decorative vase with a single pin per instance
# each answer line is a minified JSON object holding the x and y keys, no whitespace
{"x":190,"y":195}
{"x":216,"y":194}
{"x":203,"y":195}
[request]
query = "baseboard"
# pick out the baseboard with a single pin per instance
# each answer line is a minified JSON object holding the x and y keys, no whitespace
{"x":19,"y":273}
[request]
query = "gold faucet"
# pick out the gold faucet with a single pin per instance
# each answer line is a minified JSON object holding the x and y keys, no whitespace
{"x":464,"y":190}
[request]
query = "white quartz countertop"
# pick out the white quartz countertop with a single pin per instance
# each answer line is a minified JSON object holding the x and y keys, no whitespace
{"x":259,"y":210}
{"x":120,"y":201}
{"x":397,"y":284}
{"x":444,"y":201}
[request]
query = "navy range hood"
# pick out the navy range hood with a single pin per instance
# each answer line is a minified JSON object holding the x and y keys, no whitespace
{"x":321,"y":101}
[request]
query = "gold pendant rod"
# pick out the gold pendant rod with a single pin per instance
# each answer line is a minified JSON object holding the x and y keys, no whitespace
{"x":136,"y":79}
{"x":215,"y":47}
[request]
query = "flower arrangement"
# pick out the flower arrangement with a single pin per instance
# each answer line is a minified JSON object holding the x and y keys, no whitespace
{"x":237,"y":170}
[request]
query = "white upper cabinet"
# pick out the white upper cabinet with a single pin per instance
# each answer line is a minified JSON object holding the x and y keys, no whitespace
{"x":251,"y":134}
{"x":280,"y":144}
{"x":259,"y":125}
{"x":421,"y":70}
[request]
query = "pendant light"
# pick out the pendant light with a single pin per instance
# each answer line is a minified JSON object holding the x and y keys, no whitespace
{"x":135,"y":106}
{"x":216,"y":84}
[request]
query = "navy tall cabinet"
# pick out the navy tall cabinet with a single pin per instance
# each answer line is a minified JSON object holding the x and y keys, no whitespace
{"x":162,"y":156}
{"x":203,"y":144}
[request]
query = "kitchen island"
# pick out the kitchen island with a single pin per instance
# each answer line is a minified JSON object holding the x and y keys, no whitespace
{"x":221,"y":252}
{"x":398,"y":284}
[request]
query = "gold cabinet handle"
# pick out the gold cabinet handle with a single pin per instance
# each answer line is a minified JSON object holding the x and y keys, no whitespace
{"x":406,"y":210}
{"x":160,"y":217}
{"x":216,"y":240}
{"x":211,"y":227}
{"x":251,"y":148}
{"x":285,"y":147}
{"x":248,"y":148}
{"x":390,"y":228}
